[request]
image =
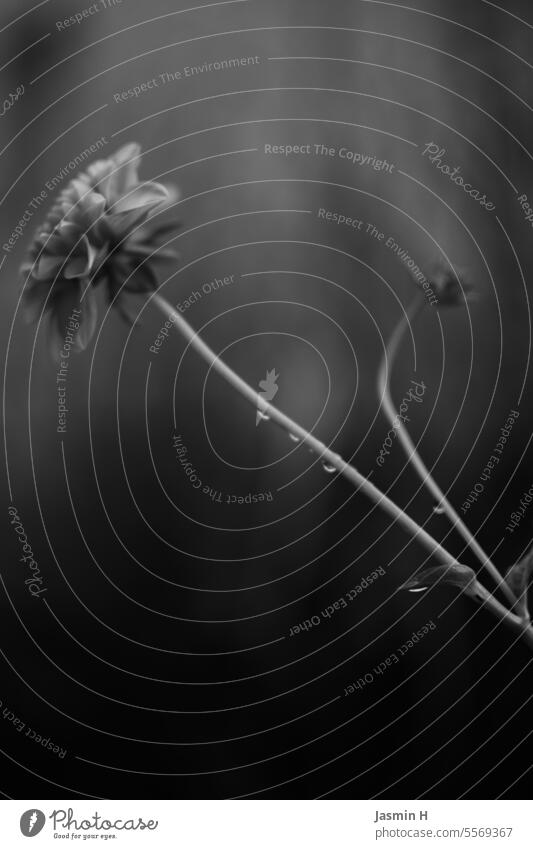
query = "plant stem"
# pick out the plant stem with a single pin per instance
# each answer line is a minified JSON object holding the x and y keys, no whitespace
{"x":479,"y":593}
{"x":413,"y":456}
{"x":516,"y":623}
{"x":324,"y":453}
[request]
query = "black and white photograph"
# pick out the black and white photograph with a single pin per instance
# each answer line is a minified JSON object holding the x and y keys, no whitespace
{"x":267,"y":421}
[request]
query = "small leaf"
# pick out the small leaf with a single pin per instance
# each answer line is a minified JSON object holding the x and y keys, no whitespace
{"x":457,"y":576}
{"x":518,"y":578}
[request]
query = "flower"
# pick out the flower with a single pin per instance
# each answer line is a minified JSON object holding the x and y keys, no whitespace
{"x":450,"y":286}
{"x":102,"y":230}
{"x":518,"y":578}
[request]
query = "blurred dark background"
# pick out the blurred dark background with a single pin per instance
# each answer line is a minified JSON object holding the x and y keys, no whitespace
{"x":160,"y":656}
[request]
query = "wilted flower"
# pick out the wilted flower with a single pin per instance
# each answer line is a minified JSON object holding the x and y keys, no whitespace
{"x":101,"y":230}
{"x":518,"y":578}
{"x":450,"y":286}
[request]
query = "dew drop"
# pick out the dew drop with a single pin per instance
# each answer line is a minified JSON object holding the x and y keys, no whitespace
{"x":294,"y":437}
{"x":262,"y":416}
{"x":438,"y":509}
{"x":418,"y":590}
{"x":328,"y":468}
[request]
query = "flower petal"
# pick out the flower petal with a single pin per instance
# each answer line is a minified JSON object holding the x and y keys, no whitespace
{"x":123,"y":176}
{"x":123,"y":223}
{"x":81,"y":264}
{"x":47,"y":267}
{"x":145,"y":195}
{"x":159,"y":231}
{"x":35,"y":294}
{"x":92,"y":208}
{"x":74,"y":296}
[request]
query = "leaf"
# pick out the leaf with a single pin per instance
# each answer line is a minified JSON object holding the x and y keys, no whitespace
{"x":517,"y":578}
{"x":456,"y":576}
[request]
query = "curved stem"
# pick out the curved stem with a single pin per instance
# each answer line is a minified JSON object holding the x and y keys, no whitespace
{"x":481,"y":595}
{"x":412,"y":454}
{"x":326,"y":455}
{"x":518,"y":624}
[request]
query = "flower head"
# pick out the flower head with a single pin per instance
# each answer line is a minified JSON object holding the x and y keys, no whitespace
{"x":518,"y":578}
{"x":451,"y":287}
{"x":101,"y":231}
